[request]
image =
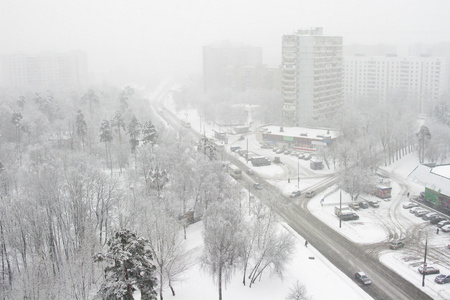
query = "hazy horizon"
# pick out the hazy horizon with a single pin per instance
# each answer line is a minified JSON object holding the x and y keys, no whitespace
{"x":163,"y":37}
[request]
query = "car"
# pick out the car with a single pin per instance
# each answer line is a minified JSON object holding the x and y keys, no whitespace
{"x":279,"y":151}
{"x":441,"y":279}
{"x":250,"y":172}
{"x":354,"y":205}
{"x":363,"y":205}
{"x":310,"y":194}
{"x":428,"y":216}
{"x":295,"y":194}
{"x":294,"y":153}
{"x":414,"y":209}
{"x":301,"y":155}
{"x":275,"y":149}
{"x":421,"y":212}
{"x":360,"y":276}
{"x":394,"y":245}
{"x":445,"y":228}
{"x":436,"y":219}
{"x":443,"y":223}
{"x":428,"y":270}
{"x":257,"y":186}
{"x":287,"y":152}
{"x":347,"y":216}
{"x":410,"y":205}
{"x":307,"y":156}
{"x":374,"y":203}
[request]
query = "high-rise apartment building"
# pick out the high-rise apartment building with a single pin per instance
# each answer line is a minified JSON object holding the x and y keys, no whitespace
{"x":44,"y":71}
{"x":221,"y":60}
{"x":312,"y":76}
{"x":419,"y":79}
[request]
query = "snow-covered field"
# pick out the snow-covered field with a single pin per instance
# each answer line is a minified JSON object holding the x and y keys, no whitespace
{"x":313,"y":273}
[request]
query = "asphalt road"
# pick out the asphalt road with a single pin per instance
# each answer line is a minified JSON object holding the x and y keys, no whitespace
{"x":344,"y":254}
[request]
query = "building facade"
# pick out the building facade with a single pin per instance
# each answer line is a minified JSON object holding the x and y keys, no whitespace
{"x":380,"y":78}
{"x":312,"y":76}
{"x":221,"y":60}
{"x":44,"y":71}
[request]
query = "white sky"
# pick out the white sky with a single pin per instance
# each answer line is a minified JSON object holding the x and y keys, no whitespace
{"x":167,"y":35}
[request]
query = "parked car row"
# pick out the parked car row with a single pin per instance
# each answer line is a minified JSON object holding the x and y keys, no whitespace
{"x":434,"y":218}
{"x":305,"y":156}
{"x":364,"y":204}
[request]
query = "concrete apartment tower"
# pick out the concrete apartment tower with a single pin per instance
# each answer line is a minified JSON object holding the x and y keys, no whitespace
{"x":312,"y":77}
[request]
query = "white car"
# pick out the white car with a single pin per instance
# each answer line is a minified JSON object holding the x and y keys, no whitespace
{"x":445,"y":228}
{"x":414,"y":209}
{"x":410,"y":205}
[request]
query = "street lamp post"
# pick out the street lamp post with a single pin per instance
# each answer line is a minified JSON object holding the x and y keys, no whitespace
{"x":298,"y":172}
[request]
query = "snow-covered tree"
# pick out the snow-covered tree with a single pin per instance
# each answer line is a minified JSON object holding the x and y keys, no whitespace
{"x":297,"y":292}
{"x":130,"y":267}
{"x":223,"y":238}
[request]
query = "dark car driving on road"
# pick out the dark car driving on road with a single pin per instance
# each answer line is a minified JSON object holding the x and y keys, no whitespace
{"x":310,"y":194}
{"x":394,"y":245}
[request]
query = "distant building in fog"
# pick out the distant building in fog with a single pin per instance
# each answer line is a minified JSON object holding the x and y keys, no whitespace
{"x":312,"y":78}
{"x":44,"y":71}
{"x":220,"y":62}
{"x":420,"y":79}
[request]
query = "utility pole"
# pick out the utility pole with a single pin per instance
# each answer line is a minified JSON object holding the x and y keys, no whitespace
{"x":298,"y":173}
{"x":340,"y":208}
{"x":247,"y":149}
{"x":425,"y":262}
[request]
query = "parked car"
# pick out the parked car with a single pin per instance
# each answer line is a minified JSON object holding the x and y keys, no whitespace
{"x":445,"y":228}
{"x":410,"y":205}
{"x":354,"y":205}
{"x":279,"y":151}
{"x":295,"y":194}
{"x":307,"y":156}
{"x":428,"y":216}
{"x":436,"y":219}
{"x":360,"y":276}
{"x":363,"y":205}
{"x":441,"y":279}
{"x":394,"y":245}
{"x":443,"y":223}
{"x":421,"y":212}
{"x":414,"y":209}
{"x":310,"y":194}
{"x":287,"y":152}
{"x":275,"y":149}
{"x":250,"y":172}
{"x":347,"y":216}
{"x":257,"y":186}
{"x":294,"y":153}
{"x":428,"y":270}
{"x":301,"y":155}
{"x":374,"y":203}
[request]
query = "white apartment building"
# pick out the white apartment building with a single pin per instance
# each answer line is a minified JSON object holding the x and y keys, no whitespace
{"x":380,"y":78}
{"x":312,"y":76}
{"x":40,"y":72}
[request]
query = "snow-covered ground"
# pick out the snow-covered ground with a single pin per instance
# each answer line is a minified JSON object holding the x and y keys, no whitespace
{"x":312,"y":273}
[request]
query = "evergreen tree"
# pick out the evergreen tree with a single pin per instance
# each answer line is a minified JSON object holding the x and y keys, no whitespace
{"x":106,"y":137}
{"x":81,"y":126}
{"x":149,"y":133}
{"x":130,"y":268}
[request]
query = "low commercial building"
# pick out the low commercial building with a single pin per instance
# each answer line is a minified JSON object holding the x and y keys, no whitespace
{"x":296,"y":138}
{"x":436,"y":181}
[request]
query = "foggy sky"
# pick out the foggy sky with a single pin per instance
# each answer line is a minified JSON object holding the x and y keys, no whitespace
{"x":167,"y":35}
